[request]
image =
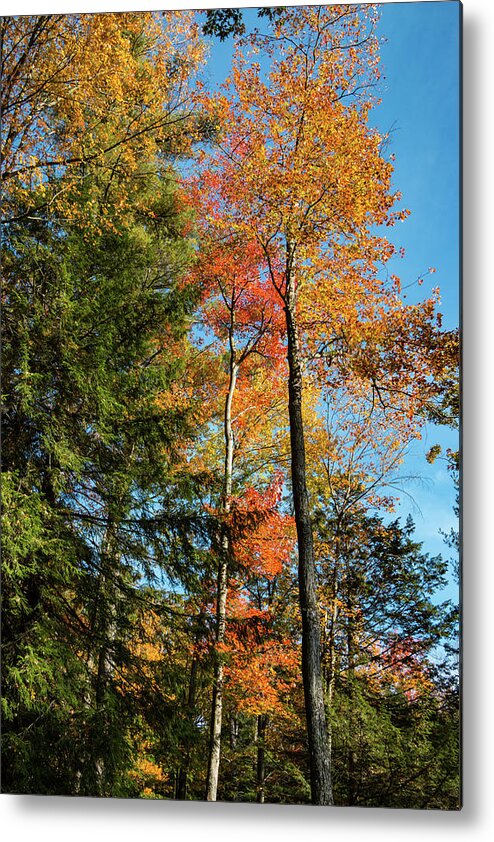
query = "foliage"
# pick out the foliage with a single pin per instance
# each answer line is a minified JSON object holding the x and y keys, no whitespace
{"x":389,"y":752}
{"x":158,"y":239}
{"x":88,"y":332}
{"x":225,"y":22}
{"x":103,"y":95}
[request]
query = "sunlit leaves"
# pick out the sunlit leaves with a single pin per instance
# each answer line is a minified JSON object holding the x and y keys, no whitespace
{"x":94,"y":94}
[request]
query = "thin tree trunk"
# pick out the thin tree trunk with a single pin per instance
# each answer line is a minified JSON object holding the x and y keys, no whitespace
{"x":262,"y":721}
{"x":332,"y":658}
{"x":351,"y":754}
{"x":222,"y":590}
{"x":107,"y":632}
{"x":183,"y":772}
{"x":319,"y":758}
{"x":217,"y":706}
{"x":233,"y":731}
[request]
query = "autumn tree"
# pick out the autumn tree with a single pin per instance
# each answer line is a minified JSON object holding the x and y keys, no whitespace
{"x":93,"y":98}
{"x":240,"y":314}
{"x":263,"y":663}
{"x":153,"y":456}
{"x":300,"y":172}
{"x":94,"y":110}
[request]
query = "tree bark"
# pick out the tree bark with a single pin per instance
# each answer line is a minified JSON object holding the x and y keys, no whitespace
{"x":217,"y":706}
{"x":331,"y":668}
{"x":262,"y":721}
{"x":233,"y":731}
{"x":351,"y":754}
{"x":183,"y":773}
{"x":317,"y":733}
{"x":222,"y":591}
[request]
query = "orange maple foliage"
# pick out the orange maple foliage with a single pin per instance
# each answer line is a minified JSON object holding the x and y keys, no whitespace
{"x":240,"y":327}
{"x":262,"y":667}
{"x":300,"y":174}
{"x":262,"y":538}
{"x":239,"y":307}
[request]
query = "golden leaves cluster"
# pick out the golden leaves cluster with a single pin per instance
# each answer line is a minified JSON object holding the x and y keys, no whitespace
{"x":93,"y":93}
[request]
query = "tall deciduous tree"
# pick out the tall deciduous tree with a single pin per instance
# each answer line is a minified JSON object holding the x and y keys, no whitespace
{"x":299,"y":171}
{"x":147,"y":431}
{"x":240,"y":314}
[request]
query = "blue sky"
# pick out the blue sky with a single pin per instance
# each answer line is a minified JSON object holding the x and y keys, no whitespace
{"x":420,"y":102}
{"x":420,"y":109}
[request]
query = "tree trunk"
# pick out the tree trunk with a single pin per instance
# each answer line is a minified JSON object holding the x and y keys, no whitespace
{"x":106,"y":624}
{"x":221,"y":593}
{"x":183,"y":772}
{"x":233,"y":731}
{"x":262,"y":721}
{"x":331,"y":674}
{"x":351,"y":754}
{"x":217,"y":706}
{"x":319,"y":758}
